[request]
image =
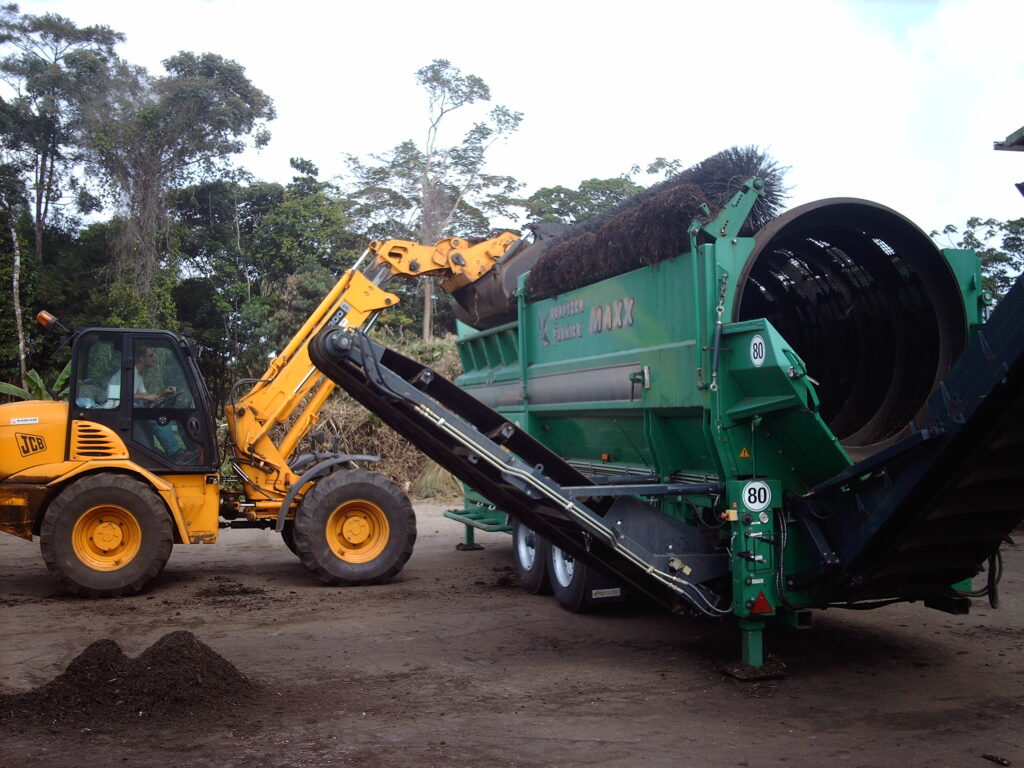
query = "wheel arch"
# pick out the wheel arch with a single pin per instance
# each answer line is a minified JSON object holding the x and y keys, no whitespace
{"x":323,"y":467}
{"x":165,"y":490}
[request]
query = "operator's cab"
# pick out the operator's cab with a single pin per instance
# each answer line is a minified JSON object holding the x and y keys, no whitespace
{"x":146,"y":387}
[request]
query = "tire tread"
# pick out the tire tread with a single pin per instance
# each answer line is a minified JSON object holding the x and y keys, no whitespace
{"x":50,"y":535}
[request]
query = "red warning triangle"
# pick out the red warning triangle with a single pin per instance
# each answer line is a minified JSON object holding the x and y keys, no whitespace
{"x":761,"y":604}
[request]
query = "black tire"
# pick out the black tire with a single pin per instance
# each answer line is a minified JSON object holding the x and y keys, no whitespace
{"x":288,"y":535}
{"x":568,"y":578}
{"x":531,"y":556}
{"x":106,"y":535}
{"x":355,"y":528}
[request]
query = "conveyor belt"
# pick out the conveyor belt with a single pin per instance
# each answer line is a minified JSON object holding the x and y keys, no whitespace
{"x":928,"y":511}
{"x":907,"y":523}
{"x":524,"y":478}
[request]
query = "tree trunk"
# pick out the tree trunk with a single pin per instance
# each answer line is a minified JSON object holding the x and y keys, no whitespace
{"x":428,"y":308}
{"x":432,"y":224}
{"x":44,"y":179}
{"x":16,"y":292}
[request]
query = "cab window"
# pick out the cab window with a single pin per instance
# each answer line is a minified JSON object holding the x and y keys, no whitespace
{"x":99,"y":365}
{"x":163,"y":405}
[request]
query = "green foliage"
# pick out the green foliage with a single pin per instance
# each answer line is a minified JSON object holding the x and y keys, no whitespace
{"x":309,"y":224}
{"x":148,"y":135}
{"x":426,"y":191}
{"x":54,"y":68}
{"x":294,"y":302}
{"x":124,"y":307}
{"x":37,"y":388}
{"x":347,"y":427}
{"x":49,"y":65}
{"x":74,"y":281}
{"x":569,"y":206}
{"x":1000,"y":248}
{"x":260,"y":257}
{"x":170,"y":129}
{"x":14,"y":222}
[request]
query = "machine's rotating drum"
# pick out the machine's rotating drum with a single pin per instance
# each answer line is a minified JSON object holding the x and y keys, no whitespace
{"x":868,"y":302}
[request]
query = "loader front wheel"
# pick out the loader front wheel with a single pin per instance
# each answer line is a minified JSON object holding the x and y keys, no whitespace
{"x":354,"y":528}
{"x":288,"y":536}
{"x":106,"y":536}
{"x":531,"y":553}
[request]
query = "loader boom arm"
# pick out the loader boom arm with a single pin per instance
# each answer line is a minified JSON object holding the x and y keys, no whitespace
{"x":292,"y":391}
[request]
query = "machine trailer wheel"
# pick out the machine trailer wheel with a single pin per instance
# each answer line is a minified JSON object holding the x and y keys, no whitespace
{"x":568,"y":579}
{"x":106,"y":536}
{"x":355,"y":528}
{"x":531,"y":553}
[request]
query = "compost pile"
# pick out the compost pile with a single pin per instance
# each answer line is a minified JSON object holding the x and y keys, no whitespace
{"x":178,"y":676}
{"x":652,"y":225}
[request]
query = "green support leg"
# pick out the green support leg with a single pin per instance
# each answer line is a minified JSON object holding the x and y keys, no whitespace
{"x":469,"y":544}
{"x":753,"y":666}
{"x":752,"y":642}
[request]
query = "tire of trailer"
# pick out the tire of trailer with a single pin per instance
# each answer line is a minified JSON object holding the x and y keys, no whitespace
{"x":106,"y":536}
{"x":354,"y":528}
{"x":568,"y":580}
{"x":531,"y":556}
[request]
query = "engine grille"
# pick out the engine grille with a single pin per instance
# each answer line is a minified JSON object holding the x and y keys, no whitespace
{"x":93,"y":441}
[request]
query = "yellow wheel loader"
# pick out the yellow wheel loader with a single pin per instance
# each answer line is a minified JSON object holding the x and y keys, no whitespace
{"x":129,"y":466}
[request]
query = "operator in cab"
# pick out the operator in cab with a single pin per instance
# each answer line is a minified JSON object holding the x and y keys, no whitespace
{"x":145,"y":359}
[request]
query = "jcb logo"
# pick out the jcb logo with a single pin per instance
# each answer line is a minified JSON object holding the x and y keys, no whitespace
{"x":29,"y":444}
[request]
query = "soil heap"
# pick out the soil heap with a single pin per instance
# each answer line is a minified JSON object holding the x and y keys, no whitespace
{"x":178,"y":676}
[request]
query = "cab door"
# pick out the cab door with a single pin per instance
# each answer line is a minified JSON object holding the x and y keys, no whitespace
{"x":144,"y":386}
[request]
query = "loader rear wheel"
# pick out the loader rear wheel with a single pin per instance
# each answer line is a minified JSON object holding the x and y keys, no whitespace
{"x":568,"y":579}
{"x":106,"y":536}
{"x":355,"y":528}
{"x":531,"y":553}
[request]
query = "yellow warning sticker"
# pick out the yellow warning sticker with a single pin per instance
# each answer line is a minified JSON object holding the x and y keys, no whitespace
{"x":744,"y":453}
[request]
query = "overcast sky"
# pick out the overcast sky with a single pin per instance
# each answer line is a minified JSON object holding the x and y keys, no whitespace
{"x":896,"y":102}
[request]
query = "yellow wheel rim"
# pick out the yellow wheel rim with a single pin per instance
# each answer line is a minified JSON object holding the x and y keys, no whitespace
{"x":357,"y":531}
{"x":107,"y":537}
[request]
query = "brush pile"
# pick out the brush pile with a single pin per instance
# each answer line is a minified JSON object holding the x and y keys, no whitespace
{"x":652,"y":226}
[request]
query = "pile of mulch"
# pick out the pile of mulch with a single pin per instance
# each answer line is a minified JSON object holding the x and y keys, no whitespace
{"x":650,"y":230}
{"x":652,"y":225}
{"x":178,"y":676}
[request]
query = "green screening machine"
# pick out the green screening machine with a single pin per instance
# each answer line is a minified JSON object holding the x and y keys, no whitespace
{"x":734,"y":420}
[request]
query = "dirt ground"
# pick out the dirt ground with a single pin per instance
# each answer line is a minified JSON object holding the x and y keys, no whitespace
{"x":453,"y":664}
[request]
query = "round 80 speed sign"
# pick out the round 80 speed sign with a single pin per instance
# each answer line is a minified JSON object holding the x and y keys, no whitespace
{"x":758,"y":351}
{"x":757,"y":496}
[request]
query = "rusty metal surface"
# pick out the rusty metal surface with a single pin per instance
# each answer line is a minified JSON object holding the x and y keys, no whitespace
{"x":20,"y":504}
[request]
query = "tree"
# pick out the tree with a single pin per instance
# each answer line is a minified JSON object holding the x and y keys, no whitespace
{"x":425,"y":191}
{"x":570,"y":206}
{"x":54,"y":70}
{"x":259,"y":257}
{"x":1000,"y":248}
{"x":149,"y":135}
{"x":12,"y":202}
{"x":592,"y":196}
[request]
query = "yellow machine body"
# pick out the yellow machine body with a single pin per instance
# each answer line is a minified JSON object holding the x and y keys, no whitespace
{"x":39,"y":455}
{"x":109,"y":482}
